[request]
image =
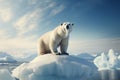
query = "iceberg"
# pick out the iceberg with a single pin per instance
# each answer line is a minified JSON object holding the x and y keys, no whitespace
{"x":113,"y":59}
{"x":107,"y":61}
{"x":55,"y":67}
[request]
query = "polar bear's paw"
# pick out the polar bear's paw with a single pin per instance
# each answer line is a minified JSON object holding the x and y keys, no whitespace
{"x":61,"y":54}
{"x":64,"y":54}
{"x":58,"y":53}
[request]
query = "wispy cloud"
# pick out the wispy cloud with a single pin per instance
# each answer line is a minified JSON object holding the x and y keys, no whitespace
{"x":27,"y":22}
{"x":4,"y":34}
{"x":57,"y":10}
{"x":32,"y":17}
{"x":17,"y":43}
{"x":6,"y":14}
{"x":25,"y":17}
{"x":7,"y":42}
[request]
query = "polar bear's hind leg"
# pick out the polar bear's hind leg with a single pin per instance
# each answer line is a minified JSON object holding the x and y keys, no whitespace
{"x":41,"y":50}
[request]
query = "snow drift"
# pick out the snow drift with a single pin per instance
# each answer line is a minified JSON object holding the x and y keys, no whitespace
{"x":53,"y":67}
{"x":108,"y":61}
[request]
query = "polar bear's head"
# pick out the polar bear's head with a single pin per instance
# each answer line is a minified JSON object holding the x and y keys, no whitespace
{"x":67,"y":27}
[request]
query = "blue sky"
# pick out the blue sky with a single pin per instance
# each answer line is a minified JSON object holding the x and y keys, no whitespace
{"x":96,"y":29}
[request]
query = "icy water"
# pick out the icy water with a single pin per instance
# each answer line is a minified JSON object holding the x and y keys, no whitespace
{"x":103,"y":75}
{"x":110,"y":75}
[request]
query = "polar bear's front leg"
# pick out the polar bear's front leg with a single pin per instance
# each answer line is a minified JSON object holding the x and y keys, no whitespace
{"x":64,"y":46}
{"x":53,"y":48}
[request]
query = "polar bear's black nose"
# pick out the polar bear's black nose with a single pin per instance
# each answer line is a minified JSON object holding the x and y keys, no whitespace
{"x":67,"y":26}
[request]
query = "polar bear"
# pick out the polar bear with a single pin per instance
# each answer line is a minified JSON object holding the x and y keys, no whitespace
{"x":59,"y":37}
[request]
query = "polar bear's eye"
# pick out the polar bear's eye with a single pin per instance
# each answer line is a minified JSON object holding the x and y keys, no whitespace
{"x":72,"y":24}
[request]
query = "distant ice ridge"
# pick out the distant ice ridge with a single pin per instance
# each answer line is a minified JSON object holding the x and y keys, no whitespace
{"x":26,"y":57}
{"x":108,"y":61}
{"x":53,"y":67}
{"x":6,"y":58}
{"x":5,"y":75}
{"x":86,"y":56}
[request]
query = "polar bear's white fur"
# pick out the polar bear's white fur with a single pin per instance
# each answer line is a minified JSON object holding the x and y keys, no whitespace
{"x":59,"y":37}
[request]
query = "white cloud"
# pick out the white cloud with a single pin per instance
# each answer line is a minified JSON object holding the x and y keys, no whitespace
{"x":57,"y":10}
{"x":6,"y":14}
{"x":24,"y":21}
{"x":4,"y":34}
{"x":28,"y":22}
{"x":22,"y":43}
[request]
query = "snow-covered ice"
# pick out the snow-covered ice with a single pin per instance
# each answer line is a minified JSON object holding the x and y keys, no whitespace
{"x":5,"y":75}
{"x":107,"y":61}
{"x":64,"y":67}
{"x":53,"y":67}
